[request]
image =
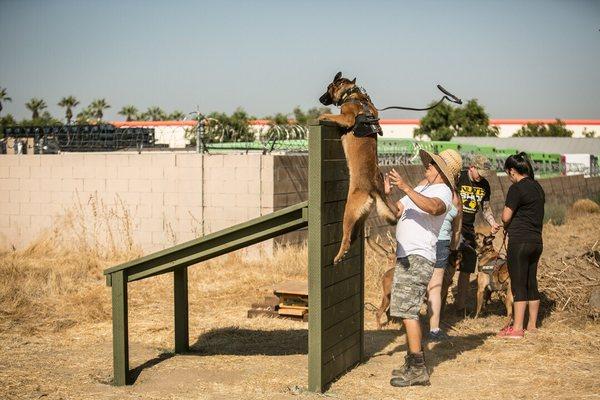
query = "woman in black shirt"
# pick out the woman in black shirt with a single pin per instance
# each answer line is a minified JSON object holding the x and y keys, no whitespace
{"x":523,"y":218}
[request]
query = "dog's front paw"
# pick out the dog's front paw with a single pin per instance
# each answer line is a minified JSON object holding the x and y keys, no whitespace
{"x":339,"y":258}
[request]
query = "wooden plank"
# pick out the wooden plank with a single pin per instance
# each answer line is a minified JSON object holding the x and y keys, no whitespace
{"x":333,"y":274}
{"x":335,"y":170}
{"x":344,"y":362}
{"x":251,"y":227}
{"x":336,"y":191}
{"x":328,"y":130}
{"x":342,"y":310}
{"x":235,"y":243}
{"x":120,"y":329}
{"x":299,"y":288}
{"x":333,"y":150}
{"x":333,"y":212}
{"x":330,"y":250}
{"x":335,"y":351}
{"x":342,"y":290}
{"x":341,"y":330}
{"x":180,"y":289}
{"x":332,"y":233}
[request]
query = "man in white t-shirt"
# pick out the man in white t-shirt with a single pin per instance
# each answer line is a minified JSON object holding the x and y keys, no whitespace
{"x":421,"y":214}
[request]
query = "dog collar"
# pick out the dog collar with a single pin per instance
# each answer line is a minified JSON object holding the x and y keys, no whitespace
{"x":344,"y":96}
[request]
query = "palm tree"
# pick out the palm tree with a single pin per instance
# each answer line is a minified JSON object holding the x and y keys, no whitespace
{"x":84,"y":116}
{"x":176,"y":115}
{"x":35,"y":106}
{"x":129,"y":112}
{"x":3,"y":97}
{"x":97,"y":108}
{"x":154,"y":113}
{"x":68,"y":102}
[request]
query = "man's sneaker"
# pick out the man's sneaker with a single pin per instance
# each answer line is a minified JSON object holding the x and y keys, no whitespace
{"x":510,"y":333}
{"x":415,"y":373}
{"x":437,"y":336}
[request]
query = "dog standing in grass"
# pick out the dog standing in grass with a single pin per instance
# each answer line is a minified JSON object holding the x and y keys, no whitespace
{"x":359,"y":118}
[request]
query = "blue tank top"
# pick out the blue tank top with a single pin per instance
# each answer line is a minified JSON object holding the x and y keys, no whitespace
{"x":446,"y":229}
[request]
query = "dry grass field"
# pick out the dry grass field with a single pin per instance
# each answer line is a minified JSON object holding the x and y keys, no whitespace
{"x":55,"y":329}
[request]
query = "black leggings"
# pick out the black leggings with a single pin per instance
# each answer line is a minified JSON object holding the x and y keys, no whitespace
{"x":522,"y":267}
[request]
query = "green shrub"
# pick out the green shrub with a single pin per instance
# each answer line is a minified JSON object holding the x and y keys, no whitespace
{"x":555,"y":212}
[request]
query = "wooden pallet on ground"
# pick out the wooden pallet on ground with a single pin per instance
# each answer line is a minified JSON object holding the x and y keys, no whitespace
{"x":290,"y":301}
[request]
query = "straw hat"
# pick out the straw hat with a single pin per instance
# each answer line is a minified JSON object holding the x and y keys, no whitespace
{"x":449,"y":161}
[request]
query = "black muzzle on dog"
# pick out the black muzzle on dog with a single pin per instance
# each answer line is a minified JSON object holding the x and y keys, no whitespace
{"x":326,"y":99}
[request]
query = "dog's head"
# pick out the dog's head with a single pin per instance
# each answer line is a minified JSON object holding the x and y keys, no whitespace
{"x":336,"y":89}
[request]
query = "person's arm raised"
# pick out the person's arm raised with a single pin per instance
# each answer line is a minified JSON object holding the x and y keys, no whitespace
{"x":431,"y":205}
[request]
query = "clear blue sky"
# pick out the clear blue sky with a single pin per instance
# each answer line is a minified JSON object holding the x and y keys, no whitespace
{"x":521,"y":59}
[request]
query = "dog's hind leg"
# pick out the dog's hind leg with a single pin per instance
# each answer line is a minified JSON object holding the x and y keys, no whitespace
{"x":357,"y":209}
{"x":386,"y":284}
{"x":480,"y":299}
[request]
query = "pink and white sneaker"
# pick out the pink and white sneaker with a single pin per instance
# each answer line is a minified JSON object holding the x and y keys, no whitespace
{"x":510,"y":333}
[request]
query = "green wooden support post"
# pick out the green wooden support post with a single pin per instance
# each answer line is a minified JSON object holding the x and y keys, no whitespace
{"x":120,"y":329}
{"x":315,"y":192}
{"x":180,"y":288}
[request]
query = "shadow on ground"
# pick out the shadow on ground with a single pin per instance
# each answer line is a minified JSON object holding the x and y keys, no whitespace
{"x":250,"y":342}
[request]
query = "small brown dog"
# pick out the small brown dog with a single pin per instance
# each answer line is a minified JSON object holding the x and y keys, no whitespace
{"x":359,"y":118}
{"x":492,"y":276}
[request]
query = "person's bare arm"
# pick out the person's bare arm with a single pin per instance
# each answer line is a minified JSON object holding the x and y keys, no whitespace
{"x":488,"y":215}
{"x":431,"y":205}
{"x":387,"y":188}
{"x":456,"y":224}
{"x":507,"y":215}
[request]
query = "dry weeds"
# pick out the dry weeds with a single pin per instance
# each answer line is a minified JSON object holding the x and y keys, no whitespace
{"x":56,"y":331}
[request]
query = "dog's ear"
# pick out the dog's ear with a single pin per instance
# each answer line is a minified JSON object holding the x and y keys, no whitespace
{"x":353,"y":81}
{"x":337,"y":76}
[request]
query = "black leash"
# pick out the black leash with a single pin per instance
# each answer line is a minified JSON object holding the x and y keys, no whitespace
{"x":447,"y":96}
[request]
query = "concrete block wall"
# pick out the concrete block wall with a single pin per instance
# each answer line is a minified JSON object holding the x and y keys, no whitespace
{"x":174,"y":197}
{"x":168,"y":197}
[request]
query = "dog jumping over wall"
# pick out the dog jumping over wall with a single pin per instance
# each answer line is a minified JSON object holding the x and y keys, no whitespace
{"x":359,"y":119}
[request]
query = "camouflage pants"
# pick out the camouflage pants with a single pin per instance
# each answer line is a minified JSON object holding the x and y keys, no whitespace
{"x":411,"y":277}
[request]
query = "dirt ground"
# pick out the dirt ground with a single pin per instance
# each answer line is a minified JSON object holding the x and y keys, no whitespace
{"x":57,"y":351}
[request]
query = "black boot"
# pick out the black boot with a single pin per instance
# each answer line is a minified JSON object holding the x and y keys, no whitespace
{"x":403,"y":368}
{"x":414,"y":374}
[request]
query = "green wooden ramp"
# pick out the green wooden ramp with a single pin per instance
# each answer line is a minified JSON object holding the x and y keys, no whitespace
{"x":336,"y":293}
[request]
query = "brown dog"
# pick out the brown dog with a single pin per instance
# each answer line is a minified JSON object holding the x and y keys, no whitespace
{"x":359,"y":118}
{"x":387,"y":278}
{"x":492,"y":276}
